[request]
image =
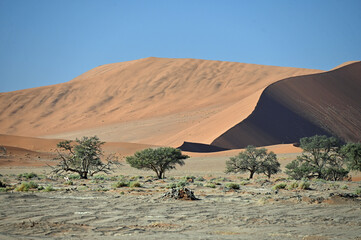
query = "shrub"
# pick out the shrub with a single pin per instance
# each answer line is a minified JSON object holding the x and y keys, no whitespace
{"x":69,"y":182}
{"x":243,"y":183}
{"x":134,"y":184}
{"x":200,"y":179}
{"x":279,"y":186}
{"x":344,"y":187}
{"x":210,"y":185}
{"x":49,"y":188}
{"x":292,"y":186}
{"x":74,"y":176}
{"x":27,"y":175}
{"x":182,"y":183}
{"x":172,"y":185}
{"x":304,"y":185}
{"x":100,"y":177}
{"x":358,"y":191}
{"x":120,"y":184}
{"x":232,"y":185}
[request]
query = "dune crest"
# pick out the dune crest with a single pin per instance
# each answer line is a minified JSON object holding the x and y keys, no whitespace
{"x":326,"y":103}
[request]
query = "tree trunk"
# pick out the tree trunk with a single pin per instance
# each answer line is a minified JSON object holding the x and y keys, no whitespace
{"x":251,"y":175}
{"x":84,"y":175}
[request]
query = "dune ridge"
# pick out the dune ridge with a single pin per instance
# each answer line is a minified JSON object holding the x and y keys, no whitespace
{"x":153,"y":100}
{"x":325,"y":103}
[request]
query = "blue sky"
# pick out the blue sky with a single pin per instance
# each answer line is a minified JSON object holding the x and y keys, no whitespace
{"x":45,"y":42}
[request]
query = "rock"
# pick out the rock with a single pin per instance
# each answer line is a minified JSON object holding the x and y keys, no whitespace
{"x":180,"y":194}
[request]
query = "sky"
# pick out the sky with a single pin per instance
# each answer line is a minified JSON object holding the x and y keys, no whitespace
{"x":46,"y":42}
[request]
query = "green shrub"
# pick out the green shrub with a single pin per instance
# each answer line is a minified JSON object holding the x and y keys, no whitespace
{"x":279,"y":186}
{"x":3,"y":189}
{"x":344,"y":187}
{"x":304,"y":185}
{"x":100,"y":177}
{"x":243,"y":183}
{"x":292,"y":186}
{"x":182,"y":183}
{"x":27,"y":175}
{"x":69,"y":182}
{"x":232,"y":185}
{"x":49,"y":188}
{"x":120,"y":184}
{"x":74,"y":176}
{"x":134,"y":184}
{"x":187,"y":178}
{"x":200,"y":179}
{"x":358,"y":191}
{"x":25,"y":186}
{"x":172,"y":185}
{"x":210,"y":185}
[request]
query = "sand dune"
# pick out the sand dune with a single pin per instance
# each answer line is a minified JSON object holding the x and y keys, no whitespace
{"x":325,"y":103}
{"x":154,"y":100}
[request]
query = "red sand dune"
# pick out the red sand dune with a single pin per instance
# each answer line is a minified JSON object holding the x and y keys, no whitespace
{"x":325,"y":103}
{"x":154,"y":100}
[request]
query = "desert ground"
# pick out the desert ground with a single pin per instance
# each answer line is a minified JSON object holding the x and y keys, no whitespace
{"x":97,"y":208}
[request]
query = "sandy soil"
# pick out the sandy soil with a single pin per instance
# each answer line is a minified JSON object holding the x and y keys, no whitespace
{"x":93,"y":209}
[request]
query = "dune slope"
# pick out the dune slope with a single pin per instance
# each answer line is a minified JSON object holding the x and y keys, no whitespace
{"x":325,"y":103}
{"x":153,"y":100}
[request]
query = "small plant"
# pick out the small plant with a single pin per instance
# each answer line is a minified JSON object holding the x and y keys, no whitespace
{"x":304,"y":185}
{"x":334,"y":185}
{"x":200,"y":179}
{"x":172,"y":185}
{"x":189,"y":178}
{"x":3,"y":189}
{"x":120,"y":184}
{"x":292,"y":186}
{"x":344,"y":187}
{"x":358,"y":191}
{"x":27,"y":175}
{"x":279,"y":186}
{"x":100,"y":177}
{"x":134,"y":184}
{"x":49,"y":188}
{"x":74,"y":176}
{"x":210,"y":185}
{"x":182,"y":183}
{"x":243,"y":183}
{"x":69,"y":182}
{"x":232,"y":186}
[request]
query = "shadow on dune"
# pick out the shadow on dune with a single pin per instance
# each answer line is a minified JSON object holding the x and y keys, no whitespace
{"x":200,"y":147}
{"x":325,"y":104}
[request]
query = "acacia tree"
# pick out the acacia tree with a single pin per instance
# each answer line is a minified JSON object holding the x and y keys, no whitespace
{"x":254,"y":161}
{"x":83,"y":157}
{"x":352,"y":154}
{"x":159,"y":159}
{"x":270,"y":165}
{"x":321,"y":158}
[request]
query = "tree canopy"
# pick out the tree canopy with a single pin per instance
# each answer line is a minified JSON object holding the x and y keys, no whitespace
{"x":159,"y":160}
{"x":254,"y":161}
{"x":83,"y":157}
